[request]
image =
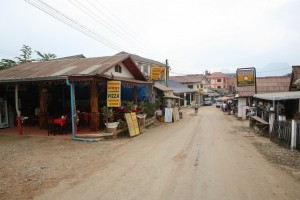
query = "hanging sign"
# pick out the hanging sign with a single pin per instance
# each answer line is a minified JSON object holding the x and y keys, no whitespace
{"x":113,"y":93}
{"x":245,"y":77}
{"x":158,"y":73}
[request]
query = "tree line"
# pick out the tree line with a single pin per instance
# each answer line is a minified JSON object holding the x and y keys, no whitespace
{"x":25,"y":56}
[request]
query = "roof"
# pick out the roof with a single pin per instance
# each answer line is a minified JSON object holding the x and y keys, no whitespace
{"x":61,"y":69}
{"x":179,"y":88}
{"x":141,"y":59}
{"x":266,"y":85}
{"x":190,"y":78}
{"x":70,"y":57}
{"x":162,"y":87}
{"x":295,"y":82}
{"x":216,"y":75}
{"x":278,"y":96}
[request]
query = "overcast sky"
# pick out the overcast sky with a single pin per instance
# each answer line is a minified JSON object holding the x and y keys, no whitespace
{"x":194,"y":35}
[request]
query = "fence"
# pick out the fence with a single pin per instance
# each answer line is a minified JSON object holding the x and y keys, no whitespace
{"x":281,"y":133}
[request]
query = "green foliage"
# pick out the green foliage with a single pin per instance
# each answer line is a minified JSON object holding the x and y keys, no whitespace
{"x":6,"y":63}
{"x":149,"y":108}
{"x":26,"y":55}
{"x":108,"y":114}
{"x":130,"y":105}
{"x":45,"y":56}
{"x":122,"y":124}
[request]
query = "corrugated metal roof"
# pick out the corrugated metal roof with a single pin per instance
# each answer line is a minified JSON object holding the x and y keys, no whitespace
{"x":162,"y":87}
{"x":266,"y":85}
{"x":56,"y":69}
{"x":179,"y":88}
{"x":278,"y":96}
{"x":141,"y":59}
{"x":190,"y":78}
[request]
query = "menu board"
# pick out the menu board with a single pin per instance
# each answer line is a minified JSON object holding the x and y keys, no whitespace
{"x":132,"y":124}
{"x":168,"y":114}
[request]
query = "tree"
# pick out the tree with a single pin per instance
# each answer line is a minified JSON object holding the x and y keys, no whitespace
{"x":26,"y":56}
{"x":6,"y":63}
{"x":45,"y":56}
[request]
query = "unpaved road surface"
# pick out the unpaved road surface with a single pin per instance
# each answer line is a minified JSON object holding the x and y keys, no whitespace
{"x":207,"y":156}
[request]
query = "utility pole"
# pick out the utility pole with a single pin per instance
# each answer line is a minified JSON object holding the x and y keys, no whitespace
{"x":167,"y":73}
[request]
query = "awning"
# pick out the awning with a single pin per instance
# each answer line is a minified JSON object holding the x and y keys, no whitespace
{"x":277,"y":96}
{"x":171,"y":96}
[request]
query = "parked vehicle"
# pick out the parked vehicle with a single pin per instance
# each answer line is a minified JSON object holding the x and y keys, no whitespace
{"x":207,"y":102}
{"x":219,"y":103}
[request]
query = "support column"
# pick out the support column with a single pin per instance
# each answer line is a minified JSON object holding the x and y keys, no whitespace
{"x":95,"y":114}
{"x":43,"y":105}
{"x":134,"y":95}
{"x":20,"y":130}
{"x":294,"y":134}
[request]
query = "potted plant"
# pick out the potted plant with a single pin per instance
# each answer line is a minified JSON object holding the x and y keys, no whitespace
{"x":109,"y":119}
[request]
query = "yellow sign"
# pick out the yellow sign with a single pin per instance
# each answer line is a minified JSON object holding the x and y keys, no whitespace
{"x":158,"y":73}
{"x":245,"y":77}
{"x":132,"y":124}
{"x":113,"y":93}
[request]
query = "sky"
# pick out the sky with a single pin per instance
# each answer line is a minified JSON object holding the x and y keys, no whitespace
{"x":194,"y":35}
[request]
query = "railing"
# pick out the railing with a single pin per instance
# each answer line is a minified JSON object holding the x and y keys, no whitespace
{"x":281,"y":133}
{"x":298,"y":136}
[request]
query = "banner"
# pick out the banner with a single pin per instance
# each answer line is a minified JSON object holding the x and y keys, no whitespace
{"x":245,"y":77}
{"x":113,"y":93}
{"x":158,"y":73}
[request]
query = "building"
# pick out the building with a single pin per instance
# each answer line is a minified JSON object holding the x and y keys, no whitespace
{"x":218,"y":80}
{"x":196,"y":82}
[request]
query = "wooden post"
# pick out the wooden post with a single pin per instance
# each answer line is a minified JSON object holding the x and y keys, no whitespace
{"x":95,"y":115}
{"x":294,"y":135}
{"x":135,"y":95}
{"x":43,"y":105}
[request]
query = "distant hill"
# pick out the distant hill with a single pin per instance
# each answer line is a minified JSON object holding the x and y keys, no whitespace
{"x":274,"y":69}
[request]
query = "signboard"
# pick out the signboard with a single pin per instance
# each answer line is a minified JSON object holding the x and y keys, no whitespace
{"x":175,"y":117}
{"x":113,"y":93}
{"x":158,"y":73}
{"x":132,"y":124}
{"x":168,"y":114}
{"x":245,"y":77}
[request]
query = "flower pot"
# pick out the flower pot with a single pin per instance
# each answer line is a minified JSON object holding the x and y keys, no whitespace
{"x":112,"y":124}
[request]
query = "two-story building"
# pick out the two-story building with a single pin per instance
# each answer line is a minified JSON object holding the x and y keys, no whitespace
{"x":193,"y":81}
{"x":218,"y":80}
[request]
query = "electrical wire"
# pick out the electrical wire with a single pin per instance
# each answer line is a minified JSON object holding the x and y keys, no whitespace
{"x":73,"y":23}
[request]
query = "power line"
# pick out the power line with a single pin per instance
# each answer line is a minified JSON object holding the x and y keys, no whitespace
{"x":9,"y":53}
{"x":122,"y":25}
{"x":275,"y":70}
{"x":97,"y":18}
{"x":72,"y":23}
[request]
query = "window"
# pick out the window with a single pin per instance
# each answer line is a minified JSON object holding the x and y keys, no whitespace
{"x":145,"y":70}
{"x":118,"y":68}
{"x":219,"y":80}
{"x":190,"y":86}
{"x":219,"y":87}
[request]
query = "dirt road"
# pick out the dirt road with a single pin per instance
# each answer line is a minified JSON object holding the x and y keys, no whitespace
{"x":199,"y":157}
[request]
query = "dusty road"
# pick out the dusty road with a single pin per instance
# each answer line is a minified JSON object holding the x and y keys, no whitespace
{"x":199,"y":157}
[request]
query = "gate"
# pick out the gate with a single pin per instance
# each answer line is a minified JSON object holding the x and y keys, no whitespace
{"x":281,"y":133}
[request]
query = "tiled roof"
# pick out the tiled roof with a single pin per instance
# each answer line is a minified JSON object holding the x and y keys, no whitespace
{"x":60,"y":69}
{"x":266,"y":85}
{"x":216,"y":75}
{"x":191,"y":78}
